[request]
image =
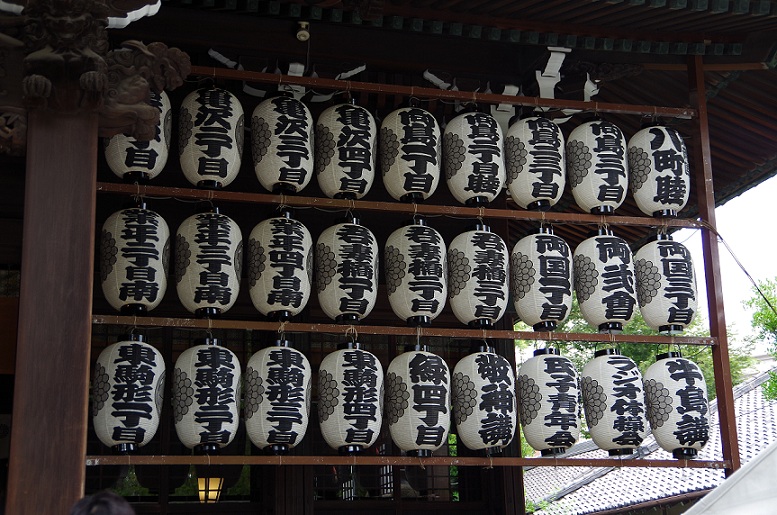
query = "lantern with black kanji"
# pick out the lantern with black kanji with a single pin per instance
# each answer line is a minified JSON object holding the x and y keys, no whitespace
{"x":211,"y":137}
{"x":604,"y":281}
{"x":279,"y":258}
{"x":127,"y":391}
{"x":416,"y":264}
{"x":346,"y":140}
{"x":666,"y":285}
{"x":541,"y":279}
{"x":140,"y":161}
{"x":597,"y":166}
{"x":536,"y":166}
{"x":478,"y":277}
{"x":282,"y":144}
{"x":473,"y":158}
{"x":350,"y":404}
{"x":208,"y":260}
{"x":206,"y":394}
{"x":410,"y":153}
{"x":484,"y":406}
{"x":547,"y":389}
{"x":346,"y":257}
{"x":677,"y":407}
{"x":277,"y":397}
{"x":614,"y":402}
{"x":659,"y":174}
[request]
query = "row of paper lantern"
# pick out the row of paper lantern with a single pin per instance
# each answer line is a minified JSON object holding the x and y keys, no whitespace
{"x":421,"y":396}
{"x":533,"y":161}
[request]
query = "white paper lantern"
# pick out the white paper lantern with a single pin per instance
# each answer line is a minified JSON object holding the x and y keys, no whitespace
{"x":597,"y":166}
{"x":140,"y":161}
{"x":282,"y":144}
{"x":659,"y":174}
{"x":605,"y":282}
{"x":208,"y":259}
{"x":134,"y":257}
{"x":410,"y":153}
{"x":211,"y":137}
{"x":614,"y":402}
{"x":206,"y":392}
{"x":478,"y":277}
{"x":541,"y":280}
{"x":484,"y":405}
{"x":416,"y":265}
{"x":548,"y":392}
{"x":677,"y":407}
{"x":347,"y":271}
{"x":280,"y":266}
{"x":127,"y":392}
{"x":350,"y":398}
{"x":277,"y":397}
{"x":535,"y":160}
{"x":418,"y":400}
{"x":346,"y":140}
{"x":473,"y":158}
{"x":666,"y":285}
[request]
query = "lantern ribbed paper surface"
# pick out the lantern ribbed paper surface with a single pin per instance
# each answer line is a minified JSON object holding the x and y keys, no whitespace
{"x":211,"y":137}
{"x":127,"y":391}
{"x":350,"y":399}
{"x":677,"y":407}
{"x":346,"y":140}
{"x":535,"y":160}
{"x":134,"y":257}
{"x":548,"y":401}
{"x":410,"y":153}
{"x":659,"y":175}
{"x":282,"y":144}
{"x":614,"y":402}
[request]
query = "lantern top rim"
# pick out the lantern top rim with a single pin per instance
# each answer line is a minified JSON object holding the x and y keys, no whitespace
{"x":609,"y":351}
{"x":668,"y":355}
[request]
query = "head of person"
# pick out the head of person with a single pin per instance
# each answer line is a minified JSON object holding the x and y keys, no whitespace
{"x":103,"y":503}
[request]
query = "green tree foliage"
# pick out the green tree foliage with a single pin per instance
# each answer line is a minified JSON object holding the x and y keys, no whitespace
{"x":764,"y":321}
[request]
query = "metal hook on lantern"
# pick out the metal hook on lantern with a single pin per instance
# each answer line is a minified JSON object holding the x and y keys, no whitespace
{"x":603,"y":224}
{"x":210,"y":328}
{"x":352,"y":333}
{"x":282,"y":330}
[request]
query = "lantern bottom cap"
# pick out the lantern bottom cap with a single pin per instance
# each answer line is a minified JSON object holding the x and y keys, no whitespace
{"x":419,"y":321}
{"x":671,"y":329}
{"x":276,"y":449}
{"x":602,"y":210}
{"x":477,"y":201}
{"x":481,"y":323}
{"x":124,"y":448}
{"x":347,"y":318}
{"x":420,"y":453}
{"x":620,"y":452}
{"x":345,"y":195}
{"x":133,"y":309}
{"x":283,"y":187}
{"x":349,"y":450}
{"x":206,"y":448}
{"x":413,"y":196}
{"x":210,"y":184}
{"x":540,"y":205}
{"x":684,"y":453}
{"x":553,"y":451}
{"x":134,"y":176}
{"x":280,"y":316}
{"x":207,"y":312}
{"x":611,"y":327}
{"x":665,"y":213}
{"x":548,"y":325}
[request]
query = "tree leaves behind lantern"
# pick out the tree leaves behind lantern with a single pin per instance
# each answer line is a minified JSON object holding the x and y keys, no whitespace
{"x":764,"y":321}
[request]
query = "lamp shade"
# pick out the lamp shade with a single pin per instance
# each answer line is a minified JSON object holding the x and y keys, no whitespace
{"x":410,"y":150}
{"x":127,"y":391}
{"x":282,"y":144}
{"x":134,"y":258}
{"x":597,"y":166}
{"x":536,"y":164}
{"x":346,"y":139}
{"x":211,"y":137}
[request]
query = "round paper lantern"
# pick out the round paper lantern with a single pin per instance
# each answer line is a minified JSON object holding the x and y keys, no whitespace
{"x":666,"y":285}
{"x":134,"y":256}
{"x":211,"y":137}
{"x":484,"y":400}
{"x":614,"y":402}
{"x":127,"y":391}
{"x":282,"y":144}
{"x":346,"y":139}
{"x":597,"y":166}
{"x":347,"y":271}
{"x":139,"y":161}
{"x":206,"y":393}
{"x":604,"y":281}
{"x":277,"y":397}
{"x":478,"y":277}
{"x":473,"y":158}
{"x":541,"y":279}
{"x":410,"y":150}
{"x":350,"y":398}
{"x":536,"y":167}
{"x":659,"y":174}
{"x":548,"y":402}
{"x":208,"y":258}
{"x":280,"y":266}
{"x":416,"y":264}
{"x":677,"y":408}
